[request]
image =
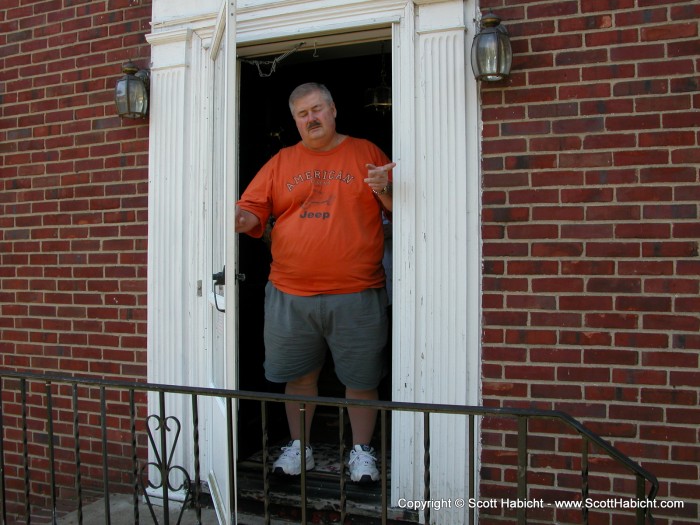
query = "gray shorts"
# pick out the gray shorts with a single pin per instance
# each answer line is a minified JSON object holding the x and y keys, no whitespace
{"x":299,"y":330}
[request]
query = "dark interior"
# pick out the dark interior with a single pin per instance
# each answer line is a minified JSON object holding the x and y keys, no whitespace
{"x":266,"y":125}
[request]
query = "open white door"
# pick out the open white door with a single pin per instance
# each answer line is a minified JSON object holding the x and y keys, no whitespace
{"x":222,"y":370}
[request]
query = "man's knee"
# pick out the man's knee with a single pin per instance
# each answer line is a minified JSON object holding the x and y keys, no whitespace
{"x":306,"y":381}
{"x":354,"y":393}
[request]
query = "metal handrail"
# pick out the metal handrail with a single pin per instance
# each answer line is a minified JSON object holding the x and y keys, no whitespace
{"x":521,"y":415}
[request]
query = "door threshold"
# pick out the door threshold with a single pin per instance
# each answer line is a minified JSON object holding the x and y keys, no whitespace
{"x":363,"y":501}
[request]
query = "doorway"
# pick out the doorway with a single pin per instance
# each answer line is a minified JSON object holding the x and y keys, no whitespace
{"x":352,"y":73}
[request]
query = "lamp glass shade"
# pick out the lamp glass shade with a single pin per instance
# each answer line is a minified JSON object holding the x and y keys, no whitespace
{"x":491,"y":54}
{"x":131,"y":96}
{"x":379,"y":98}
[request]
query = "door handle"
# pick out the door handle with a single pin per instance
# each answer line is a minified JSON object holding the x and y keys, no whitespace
{"x":219,"y":277}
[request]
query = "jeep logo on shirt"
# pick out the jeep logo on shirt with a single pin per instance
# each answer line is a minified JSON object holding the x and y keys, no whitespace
{"x":318,"y":215}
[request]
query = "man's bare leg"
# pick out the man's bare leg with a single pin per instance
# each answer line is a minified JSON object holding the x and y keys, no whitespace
{"x":304,"y":386}
{"x":362,"y":419}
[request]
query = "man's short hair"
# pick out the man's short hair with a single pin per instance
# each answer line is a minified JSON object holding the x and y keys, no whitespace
{"x":305,"y":89}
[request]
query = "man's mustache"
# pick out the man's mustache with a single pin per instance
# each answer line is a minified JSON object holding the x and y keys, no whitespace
{"x":312,"y":125}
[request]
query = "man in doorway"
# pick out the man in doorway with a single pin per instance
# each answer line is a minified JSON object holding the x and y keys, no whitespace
{"x":327,"y":286}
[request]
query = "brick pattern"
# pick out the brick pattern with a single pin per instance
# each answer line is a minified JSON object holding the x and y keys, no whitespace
{"x":74,"y":189}
{"x":73,"y":216}
{"x":590,"y":230}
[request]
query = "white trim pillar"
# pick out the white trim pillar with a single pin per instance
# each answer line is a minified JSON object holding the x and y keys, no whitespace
{"x":437,"y":265}
{"x":169,"y":290}
{"x":168,"y":158}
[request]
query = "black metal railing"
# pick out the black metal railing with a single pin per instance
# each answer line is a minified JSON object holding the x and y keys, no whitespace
{"x":96,"y":425}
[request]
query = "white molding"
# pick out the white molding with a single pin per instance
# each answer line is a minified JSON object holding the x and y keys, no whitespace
{"x":436,"y":220}
{"x":192,"y":22}
{"x":437,"y":275}
{"x":316,"y":18}
{"x":168,"y":37}
{"x":167,"y":242}
{"x":362,"y":34}
{"x":447,"y":29}
{"x":169,"y":49}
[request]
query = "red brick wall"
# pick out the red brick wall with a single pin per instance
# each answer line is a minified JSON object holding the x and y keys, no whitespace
{"x":590,"y":230}
{"x":74,"y":189}
{"x":73,"y":196}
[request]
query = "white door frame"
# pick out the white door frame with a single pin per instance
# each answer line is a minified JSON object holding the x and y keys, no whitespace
{"x":436,"y":220}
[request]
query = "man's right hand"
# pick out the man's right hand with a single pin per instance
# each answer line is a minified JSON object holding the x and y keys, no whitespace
{"x":245,"y":221}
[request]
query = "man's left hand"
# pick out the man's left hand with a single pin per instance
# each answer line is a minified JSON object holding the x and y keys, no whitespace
{"x":378,"y":176}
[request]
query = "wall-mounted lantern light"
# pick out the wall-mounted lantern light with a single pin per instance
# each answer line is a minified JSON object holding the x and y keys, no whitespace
{"x":131,"y":93}
{"x":491,"y":51}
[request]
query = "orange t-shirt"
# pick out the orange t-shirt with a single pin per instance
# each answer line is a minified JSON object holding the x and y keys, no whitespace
{"x":328,"y":237}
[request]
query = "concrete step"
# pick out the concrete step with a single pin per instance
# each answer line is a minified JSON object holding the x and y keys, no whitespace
{"x":121,"y":510}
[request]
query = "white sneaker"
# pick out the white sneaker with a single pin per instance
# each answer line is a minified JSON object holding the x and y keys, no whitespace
{"x":289,"y":461}
{"x":363,"y":464}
